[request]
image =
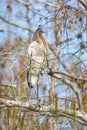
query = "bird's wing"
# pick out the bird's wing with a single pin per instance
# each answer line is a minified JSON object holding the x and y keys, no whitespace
{"x":36,"y":52}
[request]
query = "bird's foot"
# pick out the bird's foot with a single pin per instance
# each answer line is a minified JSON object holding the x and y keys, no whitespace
{"x":28,"y":101}
{"x":38,"y":104}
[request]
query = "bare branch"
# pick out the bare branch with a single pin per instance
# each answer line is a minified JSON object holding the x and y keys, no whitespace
{"x":71,"y":85}
{"x":80,"y":117}
{"x":7,"y":86}
{"x":49,"y":3}
{"x":16,"y":25}
{"x":23,"y":3}
{"x":68,"y":75}
{"x":84,"y":3}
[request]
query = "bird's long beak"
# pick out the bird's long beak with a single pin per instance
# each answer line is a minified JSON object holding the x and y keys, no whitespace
{"x":42,"y":30}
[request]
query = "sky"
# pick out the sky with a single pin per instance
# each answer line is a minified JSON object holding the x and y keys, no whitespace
{"x":42,"y":15}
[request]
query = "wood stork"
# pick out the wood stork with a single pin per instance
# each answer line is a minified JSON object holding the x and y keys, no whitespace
{"x":37,"y":54}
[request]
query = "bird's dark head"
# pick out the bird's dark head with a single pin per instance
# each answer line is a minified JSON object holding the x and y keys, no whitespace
{"x":40,"y":30}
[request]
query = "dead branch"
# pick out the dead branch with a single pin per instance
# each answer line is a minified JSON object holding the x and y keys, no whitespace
{"x":16,"y":25}
{"x":50,"y":110}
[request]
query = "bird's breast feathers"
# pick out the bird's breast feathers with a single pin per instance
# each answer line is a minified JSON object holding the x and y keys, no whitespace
{"x":36,"y":51}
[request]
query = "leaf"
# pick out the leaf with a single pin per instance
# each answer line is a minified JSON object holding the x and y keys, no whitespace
{"x":56,"y":107}
{"x":66,"y":106}
{"x":51,"y":98}
{"x":84,"y":102}
{"x":72,"y":79}
{"x":82,"y":46}
{"x":22,"y":90}
{"x":9,"y":8}
{"x":80,"y":84}
{"x":79,"y":35}
{"x":21,"y":120}
{"x":14,"y":117}
{"x":73,"y":107}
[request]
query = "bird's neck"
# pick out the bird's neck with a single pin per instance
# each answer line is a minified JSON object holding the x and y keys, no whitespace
{"x":41,"y":40}
{"x":44,"y":41}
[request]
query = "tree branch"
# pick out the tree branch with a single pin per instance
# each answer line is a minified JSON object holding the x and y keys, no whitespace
{"x":23,"y":3}
{"x":80,"y":117}
{"x":84,"y":3}
{"x":70,"y":84}
{"x":68,"y":75}
{"x":16,"y":25}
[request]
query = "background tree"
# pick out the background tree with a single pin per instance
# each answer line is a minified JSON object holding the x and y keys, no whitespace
{"x":63,"y":85}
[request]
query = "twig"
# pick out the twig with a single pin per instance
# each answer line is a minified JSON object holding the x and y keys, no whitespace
{"x":16,"y":25}
{"x":23,"y":3}
{"x":80,"y":117}
{"x":71,"y":85}
{"x":84,"y":3}
{"x":68,"y":75}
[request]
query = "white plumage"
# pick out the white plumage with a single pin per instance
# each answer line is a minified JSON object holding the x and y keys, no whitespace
{"x":37,"y":52}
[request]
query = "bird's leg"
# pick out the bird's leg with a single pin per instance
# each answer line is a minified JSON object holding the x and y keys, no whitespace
{"x":28,"y":100}
{"x":29,"y":85}
{"x":38,"y":88}
{"x":37,"y":92}
{"x":38,"y":104}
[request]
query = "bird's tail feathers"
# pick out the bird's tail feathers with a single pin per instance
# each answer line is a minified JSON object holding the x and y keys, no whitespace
{"x":32,"y":79}
{"x":28,"y":80}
